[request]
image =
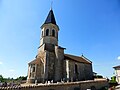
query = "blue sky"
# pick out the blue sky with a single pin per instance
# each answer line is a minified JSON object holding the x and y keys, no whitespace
{"x":91,"y":27}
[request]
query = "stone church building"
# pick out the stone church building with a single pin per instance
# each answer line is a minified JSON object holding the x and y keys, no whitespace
{"x":52,"y":64}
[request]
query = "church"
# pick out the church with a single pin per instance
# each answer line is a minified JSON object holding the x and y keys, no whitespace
{"x":52,"y":64}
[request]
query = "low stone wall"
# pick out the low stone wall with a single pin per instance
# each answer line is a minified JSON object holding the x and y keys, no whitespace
{"x":81,"y":85}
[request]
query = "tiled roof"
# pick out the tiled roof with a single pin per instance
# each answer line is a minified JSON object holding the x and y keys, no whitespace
{"x":77,"y":58}
{"x":66,"y":56}
{"x":35,"y":61}
{"x":50,"y":18}
{"x":116,"y":67}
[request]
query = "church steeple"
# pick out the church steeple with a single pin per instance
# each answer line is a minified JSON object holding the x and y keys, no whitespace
{"x":50,"y":18}
{"x":49,"y":30}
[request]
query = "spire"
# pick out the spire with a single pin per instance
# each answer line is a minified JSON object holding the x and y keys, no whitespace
{"x":51,"y":4}
{"x":50,"y":18}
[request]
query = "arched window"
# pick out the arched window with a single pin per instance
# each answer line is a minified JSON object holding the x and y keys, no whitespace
{"x":47,"y":32}
{"x":33,"y":69}
{"x":42,"y":33}
{"x":53,"y":33}
{"x":57,"y":35}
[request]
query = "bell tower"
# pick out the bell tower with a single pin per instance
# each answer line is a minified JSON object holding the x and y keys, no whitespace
{"x":49,"y":30}
{"x":48,"y":64}
{"x":50,"y":53}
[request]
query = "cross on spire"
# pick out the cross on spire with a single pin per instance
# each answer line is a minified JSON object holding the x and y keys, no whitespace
{"x":51,"y":4}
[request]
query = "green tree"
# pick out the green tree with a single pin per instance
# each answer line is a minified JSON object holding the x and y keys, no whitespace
{"x":22,"y":78}
{"x":1,"y":78}
{"x":113,"y":79}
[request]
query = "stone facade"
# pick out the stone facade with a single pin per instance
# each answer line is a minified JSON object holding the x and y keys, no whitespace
{"x":51,"y":64}
{"x":83,"y":72}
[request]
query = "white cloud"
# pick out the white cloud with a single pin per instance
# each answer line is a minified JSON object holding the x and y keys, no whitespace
{"x":118,"y":57}
{"x":11,"y":70}
{"x":1,"y":62}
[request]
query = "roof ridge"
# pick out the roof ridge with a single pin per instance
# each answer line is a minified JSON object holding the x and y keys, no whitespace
{"x":72,"y":55}
{"x":78,"y":58}
{"x":86,"y":58}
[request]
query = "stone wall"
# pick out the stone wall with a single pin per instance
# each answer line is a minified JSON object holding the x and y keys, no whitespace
{"x":59,"y":63}
{"x":84,"y":71}
{"x":81,"y":85}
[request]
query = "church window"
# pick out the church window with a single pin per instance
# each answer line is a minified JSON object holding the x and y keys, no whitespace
{"x":47,"y":32}
{"x":76,"y":69}
{"x":33,"y":69}
{"x":42,"y":33}
{"x":57,"y":34}
{"x":53,"y":33}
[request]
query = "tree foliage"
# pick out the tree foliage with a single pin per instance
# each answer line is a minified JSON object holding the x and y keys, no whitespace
{"x":21,"y":78}
{"x":98,"y":76}
{"x":113,"y":79}
{"x":1,"y":78}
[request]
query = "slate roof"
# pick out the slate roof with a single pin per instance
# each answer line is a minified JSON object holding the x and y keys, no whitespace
{"x":80,"y":59}
{"x":50,"y":18}
{"x":116,"y":67}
